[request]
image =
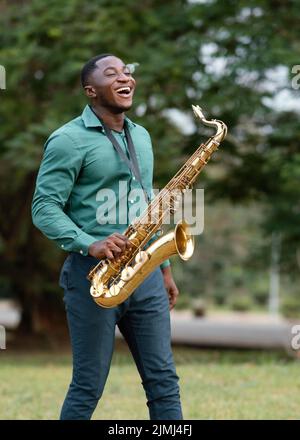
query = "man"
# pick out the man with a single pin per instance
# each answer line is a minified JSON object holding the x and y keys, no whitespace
{"x":79,"y":162}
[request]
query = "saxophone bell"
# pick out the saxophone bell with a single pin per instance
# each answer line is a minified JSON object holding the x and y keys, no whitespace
{"x":179,"y":241}
{"x":184,"y":240}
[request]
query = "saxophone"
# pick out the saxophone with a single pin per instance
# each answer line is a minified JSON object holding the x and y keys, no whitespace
{"x":112,"y":282}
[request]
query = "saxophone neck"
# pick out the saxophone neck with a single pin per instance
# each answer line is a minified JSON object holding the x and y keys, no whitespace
{"x":221,"y":128}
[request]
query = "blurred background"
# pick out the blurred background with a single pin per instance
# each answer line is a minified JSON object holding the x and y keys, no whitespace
{"x":239,"y":60}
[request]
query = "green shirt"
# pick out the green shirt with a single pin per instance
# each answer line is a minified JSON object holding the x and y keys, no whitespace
{"x":80,"y":169}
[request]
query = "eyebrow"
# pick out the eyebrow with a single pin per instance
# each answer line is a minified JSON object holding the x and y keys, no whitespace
{"x":114,"y":68}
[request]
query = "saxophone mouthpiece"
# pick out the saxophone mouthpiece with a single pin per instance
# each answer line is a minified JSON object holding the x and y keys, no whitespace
{"x":198,"y":111}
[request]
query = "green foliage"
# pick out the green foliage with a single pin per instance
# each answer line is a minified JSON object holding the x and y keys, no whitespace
{"x":224,"y":263}
{"x":240,"y":303}
{"x":290,"y":306}
{"x":261,"y":297}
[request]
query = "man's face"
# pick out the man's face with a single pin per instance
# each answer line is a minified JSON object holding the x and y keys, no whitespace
{"x":111,"y":84}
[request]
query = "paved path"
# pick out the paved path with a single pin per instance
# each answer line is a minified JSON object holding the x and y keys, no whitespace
{"x":236,"y":330}
{"x":232,"y":330}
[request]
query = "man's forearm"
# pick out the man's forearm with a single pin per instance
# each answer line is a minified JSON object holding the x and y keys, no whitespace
{"x":167,"y":271}
{"x":57,"y":226}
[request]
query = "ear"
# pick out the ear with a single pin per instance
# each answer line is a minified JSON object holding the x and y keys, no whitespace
{"x":90,"y":91}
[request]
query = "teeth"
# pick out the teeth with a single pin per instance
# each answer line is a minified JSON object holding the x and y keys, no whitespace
{"x":123,"y":89}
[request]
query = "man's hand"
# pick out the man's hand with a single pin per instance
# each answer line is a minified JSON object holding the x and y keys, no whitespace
{"x":170,"y":286}
{"x":112,"y":247}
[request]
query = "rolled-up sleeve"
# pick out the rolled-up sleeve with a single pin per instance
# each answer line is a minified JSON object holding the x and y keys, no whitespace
{"x":58,"y":172}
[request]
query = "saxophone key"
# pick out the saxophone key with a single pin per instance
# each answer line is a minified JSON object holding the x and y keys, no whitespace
{"x":114,"y":290}
{"x":141,"y":257}
{"x":127,"y":273}
{"x":96,"y":291}
{"x":107,"y":294}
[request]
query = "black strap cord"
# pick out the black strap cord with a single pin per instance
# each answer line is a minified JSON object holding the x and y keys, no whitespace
{"x":132,"y":163}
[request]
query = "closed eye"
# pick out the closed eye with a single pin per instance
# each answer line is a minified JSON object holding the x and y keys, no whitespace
{"x":111,"y":74}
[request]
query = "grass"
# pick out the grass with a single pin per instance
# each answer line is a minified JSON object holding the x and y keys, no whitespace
{"x":214,"y":385}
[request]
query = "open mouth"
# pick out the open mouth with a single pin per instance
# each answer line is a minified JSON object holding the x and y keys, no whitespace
{"x":124,"y":91}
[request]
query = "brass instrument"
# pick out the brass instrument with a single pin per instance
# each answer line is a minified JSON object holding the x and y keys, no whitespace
{"x":112,"y":282}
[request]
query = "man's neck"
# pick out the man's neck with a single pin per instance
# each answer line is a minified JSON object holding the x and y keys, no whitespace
{"x":115,"y":121}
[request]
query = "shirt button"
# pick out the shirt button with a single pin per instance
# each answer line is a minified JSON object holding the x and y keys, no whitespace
{"x":133,"y":178}
{"x":81,"y":251}
{"x":62,"y":246}
{"x":131,"y":201}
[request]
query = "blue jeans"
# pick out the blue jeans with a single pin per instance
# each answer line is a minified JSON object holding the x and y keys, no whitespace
{"x":144,"y":321}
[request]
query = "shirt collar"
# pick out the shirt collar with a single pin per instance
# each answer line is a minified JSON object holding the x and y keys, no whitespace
{"x":91,"y":120}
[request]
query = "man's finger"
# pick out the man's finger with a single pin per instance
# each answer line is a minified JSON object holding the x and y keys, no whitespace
{"x":120,"y":243}
{"x":109,"y":254}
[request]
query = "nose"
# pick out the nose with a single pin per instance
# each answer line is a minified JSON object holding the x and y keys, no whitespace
{"x":123,"y":77}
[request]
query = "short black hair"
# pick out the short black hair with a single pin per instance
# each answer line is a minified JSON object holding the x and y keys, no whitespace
{"x":90,"y":66}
